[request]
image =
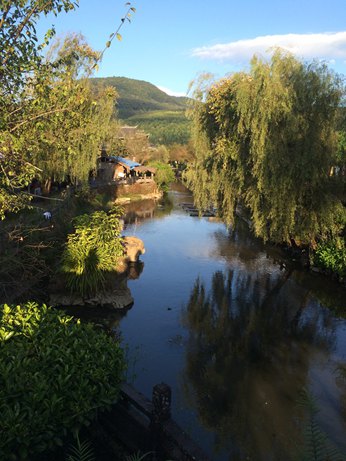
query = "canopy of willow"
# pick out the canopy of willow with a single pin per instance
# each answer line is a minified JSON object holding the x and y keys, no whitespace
{"x":267,"y":140}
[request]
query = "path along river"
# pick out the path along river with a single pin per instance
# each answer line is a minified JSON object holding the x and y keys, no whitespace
{"x":238,"y":333}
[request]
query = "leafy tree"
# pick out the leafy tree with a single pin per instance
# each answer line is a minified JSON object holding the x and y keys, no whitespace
{"x":181,"y":153}
{"x":67,"y":140}
{"x":20,"y":57}
{"x":164,"y":174}
{"x":20,"y":52}
{"x":160,"y":154}
{"x":266,"y":139}
{"x":49,"y":120}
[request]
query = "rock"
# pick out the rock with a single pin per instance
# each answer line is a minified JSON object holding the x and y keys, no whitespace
{"x":316,"y":269}
{"x":134,"y":247}
{"x":116,"y":294}
{"x":118,"y":298}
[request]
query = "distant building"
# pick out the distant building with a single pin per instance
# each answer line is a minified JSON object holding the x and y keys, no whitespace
{"x":116,"y":168}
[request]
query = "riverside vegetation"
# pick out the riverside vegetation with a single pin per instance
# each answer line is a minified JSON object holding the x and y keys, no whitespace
{"x":266,"y":140}
{"x":272,"y":141}
{"x":57,"y":373}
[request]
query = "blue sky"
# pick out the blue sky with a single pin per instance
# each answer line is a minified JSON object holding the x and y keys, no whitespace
{"x":169,"y":42}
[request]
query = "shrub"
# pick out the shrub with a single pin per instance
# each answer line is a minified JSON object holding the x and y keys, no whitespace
{"x":94,"y":247}
{"x":164,"y":175}
{"x":55,"y":375}
{"x":331,"y":256}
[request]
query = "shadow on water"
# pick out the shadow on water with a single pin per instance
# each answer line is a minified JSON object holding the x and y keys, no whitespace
{"x":254,"y":330}
{"x":252,"y":339}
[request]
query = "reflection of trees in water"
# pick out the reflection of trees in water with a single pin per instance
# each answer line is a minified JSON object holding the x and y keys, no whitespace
{"x":139,"y":209}
{"x":248,"y":357}
{"x":147,"y":208}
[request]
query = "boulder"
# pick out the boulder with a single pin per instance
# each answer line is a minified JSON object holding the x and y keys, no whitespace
{"x":134,"y":247}
{"x":118,"y":298}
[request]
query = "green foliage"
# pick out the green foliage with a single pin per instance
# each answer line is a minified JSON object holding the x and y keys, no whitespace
{"x":316,"y":446}
{"x":267,"y":139}
{"x":164,"y":174}
{"x":65,"y":124}
{"x":13,"y":177}
{"x":143,"y":104}
{"x":19,"y":43}
{"x":341,"y":152}
{"x":81,"y":451}
{"x":49,"y":119}
{"x":331,"y":256}
{"x":137,"y":456}
{"x":55,"y":375}
{"x":136,"y":96}
{"x":93,"y":249}
{"x":164,"y":127}
{"x":20,"y":60}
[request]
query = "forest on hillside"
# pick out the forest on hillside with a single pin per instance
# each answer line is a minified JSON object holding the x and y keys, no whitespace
{"x":144,"y":105}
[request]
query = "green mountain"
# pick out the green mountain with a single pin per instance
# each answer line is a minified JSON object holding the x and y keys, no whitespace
{"x":143,"y":104}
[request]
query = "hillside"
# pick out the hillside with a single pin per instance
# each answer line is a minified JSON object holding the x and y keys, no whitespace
{"x":142,"y":103}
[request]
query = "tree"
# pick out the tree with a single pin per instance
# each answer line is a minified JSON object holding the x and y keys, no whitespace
{"x":47,"y":114}
{"x":67,"y":140}
{"x":267,"y":139}
{"x":20,"y":57}
{"x":164,"y":174}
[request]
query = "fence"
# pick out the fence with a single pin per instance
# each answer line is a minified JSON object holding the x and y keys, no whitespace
{"x":147,"y":425}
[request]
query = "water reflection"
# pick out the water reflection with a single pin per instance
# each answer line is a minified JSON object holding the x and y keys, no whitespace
{"x":252,"y":339}
{"x":255,"y":333}
{"x":147,"y":209}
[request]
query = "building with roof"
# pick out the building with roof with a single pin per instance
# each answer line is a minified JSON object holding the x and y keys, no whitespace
{"x":123,"y":170}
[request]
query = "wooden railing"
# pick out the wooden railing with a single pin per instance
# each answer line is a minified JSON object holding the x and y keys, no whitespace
{"x":134,"y":180}
{"x":147,"y":425}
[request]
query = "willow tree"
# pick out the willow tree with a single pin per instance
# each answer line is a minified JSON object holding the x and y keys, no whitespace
{"x":20,"y":58}
{"x":67,"y":140}
{"x":50,"y":123}
{"x":267,"y":139}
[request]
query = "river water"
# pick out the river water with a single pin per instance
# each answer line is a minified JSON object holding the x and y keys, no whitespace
{"x":244,"y":338}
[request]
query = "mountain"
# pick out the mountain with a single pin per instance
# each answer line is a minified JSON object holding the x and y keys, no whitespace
{"x":142,"y":103}
{"x":138,"y":96}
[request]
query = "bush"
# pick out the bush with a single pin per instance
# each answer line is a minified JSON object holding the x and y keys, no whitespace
{"x":331,"y":256}
{"x":55,"y":375}
{"x":164,"y":175}
{"x":94,"y":247}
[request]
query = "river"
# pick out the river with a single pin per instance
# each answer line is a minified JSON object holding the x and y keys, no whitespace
{"x":244,"y":338}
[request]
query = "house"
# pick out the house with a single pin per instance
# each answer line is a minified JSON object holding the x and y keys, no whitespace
{"x":123,"y":170}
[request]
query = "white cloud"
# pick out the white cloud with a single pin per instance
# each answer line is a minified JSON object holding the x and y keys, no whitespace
{"x":170,"y":92}
{"x":328,"y":46}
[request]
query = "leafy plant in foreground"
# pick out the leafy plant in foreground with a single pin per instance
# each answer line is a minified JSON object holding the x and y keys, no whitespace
{"x":81,"y":451}
{"x":93,"y":249}
{"x":316,"y":445}
{"x":55,"y":375}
